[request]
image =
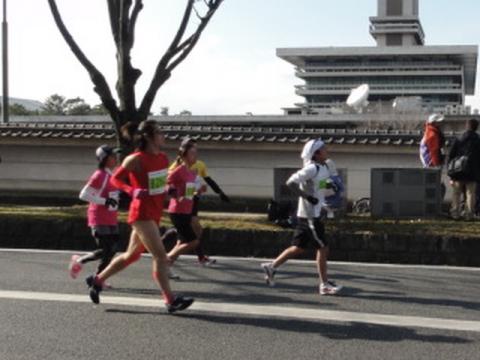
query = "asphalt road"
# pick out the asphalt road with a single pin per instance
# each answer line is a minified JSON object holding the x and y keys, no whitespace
{"x":385,"y":312}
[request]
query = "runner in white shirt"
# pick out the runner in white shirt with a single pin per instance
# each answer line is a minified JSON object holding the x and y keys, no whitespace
{"x":310,"y":183}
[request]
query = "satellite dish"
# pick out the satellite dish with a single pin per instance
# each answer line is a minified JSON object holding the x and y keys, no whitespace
{"x":358,"y":98}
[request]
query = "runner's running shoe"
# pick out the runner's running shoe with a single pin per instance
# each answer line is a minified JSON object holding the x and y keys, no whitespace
{"x":330,"y":288}
{"x":94,"y":289}
{"x":269,"y":273}
{"x":168,"y":234}
{"x":75,"y":266}
{"x":180,"y":303}
{"x":206,"y":261}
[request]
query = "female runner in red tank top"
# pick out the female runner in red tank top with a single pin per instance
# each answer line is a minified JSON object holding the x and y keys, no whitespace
{"x":143,"y":175}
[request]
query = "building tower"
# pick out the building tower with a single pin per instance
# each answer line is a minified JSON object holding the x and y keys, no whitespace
{"x":401,"y":66}
{"x":397,"y":24}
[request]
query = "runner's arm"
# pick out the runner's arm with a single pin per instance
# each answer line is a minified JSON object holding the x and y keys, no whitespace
{"x":214,"y":186}
{"x":120,"y":176}
{"x":299,"y":177}
{"x":90,"y":194}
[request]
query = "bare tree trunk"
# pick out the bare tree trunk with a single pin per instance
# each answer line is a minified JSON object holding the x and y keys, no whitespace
{"x":123,"y":20}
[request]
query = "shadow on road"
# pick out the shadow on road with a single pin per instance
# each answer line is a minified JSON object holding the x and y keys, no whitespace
{"x":406,"y":299}
{"x":350,"y":331}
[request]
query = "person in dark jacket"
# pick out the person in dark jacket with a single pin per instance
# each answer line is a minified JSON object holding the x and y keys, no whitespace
{"x":465,"y":182}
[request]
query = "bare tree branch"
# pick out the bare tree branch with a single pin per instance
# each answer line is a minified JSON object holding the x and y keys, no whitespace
{"x":123,"y":20}
{"x":114,"y":12}
{"x":133,"y":21}
{"x":177,"y":52}
{"x":101,"y":85}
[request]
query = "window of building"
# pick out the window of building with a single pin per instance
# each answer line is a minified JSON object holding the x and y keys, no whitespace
{"x":394,"y":7}
{"x":394,"y":40}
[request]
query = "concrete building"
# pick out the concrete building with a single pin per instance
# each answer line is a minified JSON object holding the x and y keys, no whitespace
{"x":399,"y":66}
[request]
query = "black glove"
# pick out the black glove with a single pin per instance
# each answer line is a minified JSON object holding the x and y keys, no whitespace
{"x":312,"y":200}
{"x":224,"y":198}
{"x":111,"y":202}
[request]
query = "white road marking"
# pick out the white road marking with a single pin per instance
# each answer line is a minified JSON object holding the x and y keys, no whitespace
{"x":264,"y":311}
{"x":260,"y":260}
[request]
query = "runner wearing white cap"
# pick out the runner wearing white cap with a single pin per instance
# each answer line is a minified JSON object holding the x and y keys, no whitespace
{"x":310,"y":183}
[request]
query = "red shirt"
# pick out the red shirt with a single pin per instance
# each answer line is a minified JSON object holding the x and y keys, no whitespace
{"x":184,"y":181}
{"x":152,"y":177}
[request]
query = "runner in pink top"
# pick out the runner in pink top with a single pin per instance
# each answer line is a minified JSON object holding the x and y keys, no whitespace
{"x":186,"y":184}
{"x":102,"y":212}
{"x":183,"y":185}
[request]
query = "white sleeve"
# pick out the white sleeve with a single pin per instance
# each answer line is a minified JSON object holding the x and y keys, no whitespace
{"x":198,"y":182}
{"x":303,"y":175}
{"x":89,"y":194}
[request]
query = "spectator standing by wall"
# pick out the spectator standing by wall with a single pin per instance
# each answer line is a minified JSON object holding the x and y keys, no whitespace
{"x":464,"y":170}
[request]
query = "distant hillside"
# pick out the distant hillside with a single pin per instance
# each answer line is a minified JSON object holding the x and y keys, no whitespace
{"x":30,"y":105}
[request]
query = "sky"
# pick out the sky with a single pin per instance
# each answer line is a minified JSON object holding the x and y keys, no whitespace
{"x":233,"y":69}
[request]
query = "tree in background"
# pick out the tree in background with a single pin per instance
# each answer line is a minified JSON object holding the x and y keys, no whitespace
{"x":123,"y":16}
{"x":98,"y":109}
{"x":59,"y":105}
{"x":20,"y":110}
{"x":77,"y":106}
{"x":54,"y":105}
{"x":164,"y":110}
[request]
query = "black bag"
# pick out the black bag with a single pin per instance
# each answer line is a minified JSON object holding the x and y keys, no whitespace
{"x":459,"y":167}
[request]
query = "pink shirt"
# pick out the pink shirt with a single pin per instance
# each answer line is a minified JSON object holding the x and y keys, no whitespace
{"x":184,"y":181}
{"x":101,"y":214}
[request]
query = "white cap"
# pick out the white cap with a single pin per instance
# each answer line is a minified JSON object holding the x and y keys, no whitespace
{"x":310,"y":148}
{"x":434,"y":118}
{"x":104,"y":151}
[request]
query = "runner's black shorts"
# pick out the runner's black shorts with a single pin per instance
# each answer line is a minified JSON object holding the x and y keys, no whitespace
{"x":183,"y":224}
{"x":196,"y":202}
{"x":309,"y":232}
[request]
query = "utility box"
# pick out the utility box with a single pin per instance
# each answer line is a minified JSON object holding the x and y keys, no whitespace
{"x":407,"y":192}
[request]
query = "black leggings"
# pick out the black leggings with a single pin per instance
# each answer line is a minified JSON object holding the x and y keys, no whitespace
{"x":108,"y":246}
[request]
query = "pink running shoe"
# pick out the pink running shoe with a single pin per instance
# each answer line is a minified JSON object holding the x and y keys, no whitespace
{"x":75,"y":267}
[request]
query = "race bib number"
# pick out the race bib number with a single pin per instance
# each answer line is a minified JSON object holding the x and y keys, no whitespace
{"x":190,"y":189}
{"x":322,"y":185}
{"x":116,"y":196}
{"x":157,"y":182}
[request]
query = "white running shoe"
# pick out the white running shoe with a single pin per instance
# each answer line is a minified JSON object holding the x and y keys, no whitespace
{"x":75,"y":266}
{"x":330,"y":288}
{"x":269,"y":273}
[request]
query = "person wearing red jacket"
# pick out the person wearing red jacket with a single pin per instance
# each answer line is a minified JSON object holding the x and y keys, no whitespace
{"x":433,"y":141}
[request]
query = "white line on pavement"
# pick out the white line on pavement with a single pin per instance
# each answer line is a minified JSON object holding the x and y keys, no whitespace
{"x":264,"y":311}
{"x":259,"y":260}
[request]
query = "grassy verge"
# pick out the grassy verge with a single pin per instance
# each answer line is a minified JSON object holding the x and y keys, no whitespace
{"x":351,"y":224}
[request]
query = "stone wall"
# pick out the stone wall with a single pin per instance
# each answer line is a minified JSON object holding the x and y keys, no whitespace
{"x":401,"y":249}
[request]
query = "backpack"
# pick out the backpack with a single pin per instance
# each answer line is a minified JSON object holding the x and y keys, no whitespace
{"x":460,"y":166}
